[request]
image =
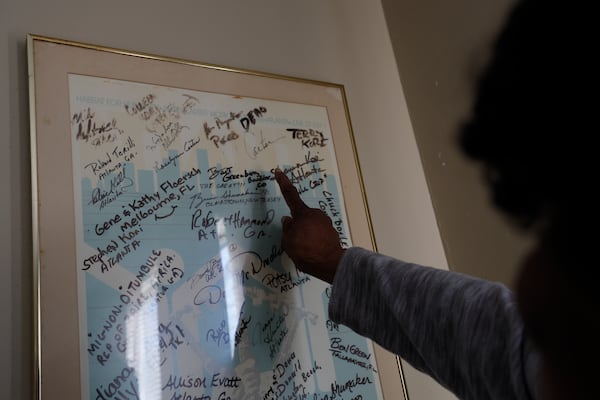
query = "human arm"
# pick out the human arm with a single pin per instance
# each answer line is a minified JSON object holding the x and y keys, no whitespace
{"x":464,"y":332}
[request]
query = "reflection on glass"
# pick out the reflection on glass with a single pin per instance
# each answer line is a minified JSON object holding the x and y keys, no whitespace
{"x":143,"y":348}
{"x":185,"y":290}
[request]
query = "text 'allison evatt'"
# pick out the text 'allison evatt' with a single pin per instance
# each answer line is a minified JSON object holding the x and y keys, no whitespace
{"x":125,"y":386}
{"x":188,"y":387}
{"x":149,"y":284}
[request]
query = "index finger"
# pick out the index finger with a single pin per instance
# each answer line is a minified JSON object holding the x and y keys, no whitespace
{"x":290,"y":193}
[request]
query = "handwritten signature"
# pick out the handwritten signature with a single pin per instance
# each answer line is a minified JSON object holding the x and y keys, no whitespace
{"x":118,"y":184}
{"x":254,"y":149}
{"x":220,"y":335}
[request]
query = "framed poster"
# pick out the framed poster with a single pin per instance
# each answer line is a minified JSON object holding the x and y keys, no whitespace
{"x":157,"y":241}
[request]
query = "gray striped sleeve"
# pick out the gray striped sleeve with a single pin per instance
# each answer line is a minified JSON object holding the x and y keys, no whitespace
{"x":464,"y":332}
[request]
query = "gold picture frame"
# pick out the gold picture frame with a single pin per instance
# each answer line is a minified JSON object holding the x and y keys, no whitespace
{"x":106,"y":125}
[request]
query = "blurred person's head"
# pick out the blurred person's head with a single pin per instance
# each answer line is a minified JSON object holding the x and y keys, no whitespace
{"x":533,"y":126}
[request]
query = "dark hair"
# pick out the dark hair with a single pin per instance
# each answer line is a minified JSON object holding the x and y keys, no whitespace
{"x":533,"y":126}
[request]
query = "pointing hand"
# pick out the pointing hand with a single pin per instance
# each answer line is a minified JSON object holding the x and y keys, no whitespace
{"x":309,"y":237}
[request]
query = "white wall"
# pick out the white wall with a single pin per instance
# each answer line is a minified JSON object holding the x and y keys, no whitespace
{"x":441,"y":48}
{"x":342,"y":41}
